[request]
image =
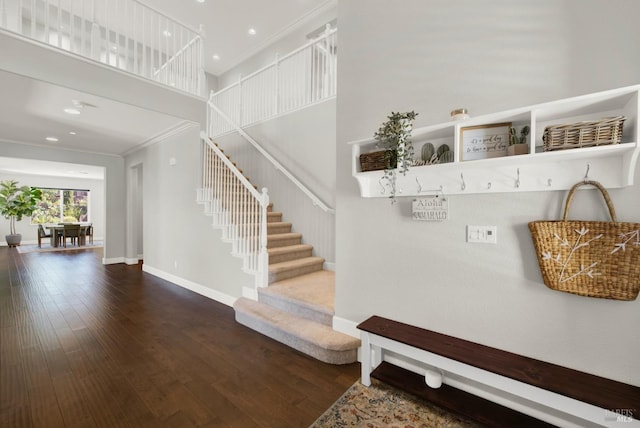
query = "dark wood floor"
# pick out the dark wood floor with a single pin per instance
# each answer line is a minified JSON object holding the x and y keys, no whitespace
{"x":84,"y":344}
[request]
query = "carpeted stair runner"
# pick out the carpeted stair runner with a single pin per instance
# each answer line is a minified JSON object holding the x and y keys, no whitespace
{"x":297,"y":307}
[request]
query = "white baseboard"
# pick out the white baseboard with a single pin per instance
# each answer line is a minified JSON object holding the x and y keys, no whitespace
{"x":346,"y":326}
{"x":131,"y":261}
{"x":190,"y":285}
{"x":113,"y":260}
{"x":329,"y":266}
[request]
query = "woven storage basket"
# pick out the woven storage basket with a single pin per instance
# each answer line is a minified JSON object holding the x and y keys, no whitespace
{"x":381,"y":159}
{"x":589,"y":258}
{"x":583,"y":134}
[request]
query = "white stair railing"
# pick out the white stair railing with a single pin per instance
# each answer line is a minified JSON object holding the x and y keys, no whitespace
{"x":125,"y":34}
{"x":237,"y":208}
{"x":304,"y":77}
{"x":278,"y":166}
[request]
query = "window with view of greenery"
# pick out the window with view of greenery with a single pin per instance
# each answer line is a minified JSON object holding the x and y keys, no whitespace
{"x":62,"y":205}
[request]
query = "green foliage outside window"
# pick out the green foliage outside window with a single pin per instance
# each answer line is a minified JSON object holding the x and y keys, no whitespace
{"x":59,"y":205}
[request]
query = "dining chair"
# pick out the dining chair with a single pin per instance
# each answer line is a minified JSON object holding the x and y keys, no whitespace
{"x":42,"y":234}
{"x":71,"y":231}
{"x":89,"y":232}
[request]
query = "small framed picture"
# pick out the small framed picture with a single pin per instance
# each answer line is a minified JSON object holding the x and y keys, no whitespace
{"x":484,"y":141}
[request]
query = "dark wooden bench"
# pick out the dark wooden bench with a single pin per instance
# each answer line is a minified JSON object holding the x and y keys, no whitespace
{"x":582,"y":395}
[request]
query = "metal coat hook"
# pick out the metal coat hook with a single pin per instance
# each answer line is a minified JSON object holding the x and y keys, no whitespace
{"x":518,"y":179}
{"x":384,"y":190}
{"x":464,"y":185}
{"x":549,"y":182}
{"x":421,"y":190}
{"x":489,"y":186}
{"x":586,"y":175}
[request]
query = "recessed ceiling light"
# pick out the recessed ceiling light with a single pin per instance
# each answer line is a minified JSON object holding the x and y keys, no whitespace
{"x":166,"y":33}
{"x":52,"y":139}
{"x":216,"y":57}
{"x":72,"y":133}
{"x":200,"y":1}
{"x":252,"y":31}
{"x":72,"y":110}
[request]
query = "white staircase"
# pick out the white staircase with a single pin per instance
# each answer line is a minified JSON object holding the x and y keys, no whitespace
{"x":293,"y":299}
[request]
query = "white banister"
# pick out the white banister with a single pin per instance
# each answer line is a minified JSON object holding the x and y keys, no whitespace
{"x":125,"y":34}
{"x":237,"y":208}
{"x":294,"y":81}
{"x":316,"y":200}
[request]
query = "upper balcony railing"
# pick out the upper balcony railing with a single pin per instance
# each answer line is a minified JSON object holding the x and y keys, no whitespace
{"x":125,"y":34}
{"x":297,"y":80}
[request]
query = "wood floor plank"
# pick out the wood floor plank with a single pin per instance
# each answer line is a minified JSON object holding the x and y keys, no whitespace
{"x":114,"y":346}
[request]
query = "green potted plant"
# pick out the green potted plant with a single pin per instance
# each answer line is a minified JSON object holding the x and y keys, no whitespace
{"x":518,"y":143}
{"x":394,"y":134}
{"x":15,"y":203}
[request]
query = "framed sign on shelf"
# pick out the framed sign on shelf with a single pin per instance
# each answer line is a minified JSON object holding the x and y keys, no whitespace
{"x":484,"y":141}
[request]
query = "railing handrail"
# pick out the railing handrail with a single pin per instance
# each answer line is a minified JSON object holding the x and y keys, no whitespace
{"x":175,"y":55}
{"x":242,"y":79}
{"x":246,"y":183}
{"x":176,"y":21}
{"x":314,"y":199}
{"x":143,"y":51}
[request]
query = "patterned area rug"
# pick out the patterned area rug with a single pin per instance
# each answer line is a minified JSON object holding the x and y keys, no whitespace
{"x":381,"y":405}
{"x":22,"y":249}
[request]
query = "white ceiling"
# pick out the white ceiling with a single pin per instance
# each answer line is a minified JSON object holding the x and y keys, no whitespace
{"x":57,"y":169}
{"x":31,"y":110}
{"x":226,"y":24}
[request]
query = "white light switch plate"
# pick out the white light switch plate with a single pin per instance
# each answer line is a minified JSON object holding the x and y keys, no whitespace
{"x":482,"y":234}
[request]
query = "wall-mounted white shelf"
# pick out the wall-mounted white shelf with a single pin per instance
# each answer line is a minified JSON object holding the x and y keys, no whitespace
{"x":612,"y":165}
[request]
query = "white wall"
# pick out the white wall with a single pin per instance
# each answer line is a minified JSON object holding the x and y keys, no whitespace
{"x":304,"y":142}
{"x":114,"y":224}
{"x":179,"y":241}
{"x":280,"y":47}
{"x":97,"y":209}
{"x":432,"y":57}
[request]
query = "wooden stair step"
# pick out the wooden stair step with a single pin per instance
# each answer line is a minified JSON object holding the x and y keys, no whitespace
{"x":290,"y":252}
{"x":292,"y":268}
{"x":317,"y":340}
{"x":310,"y":296}
{"x":274,"y":217}
{"x":279,"y":227}
{"x":284,"y":239}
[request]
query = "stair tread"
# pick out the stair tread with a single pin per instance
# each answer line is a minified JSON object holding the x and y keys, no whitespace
{"x":286,"y":235}
{"x":301,"y":328}
{"x":294,"y":264}
{"x":314,"y":290}
{"x":289,"y":249}
{"x":280,"y":223}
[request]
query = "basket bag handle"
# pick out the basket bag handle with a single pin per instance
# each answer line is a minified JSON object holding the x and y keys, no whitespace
{"x":605,"y":194}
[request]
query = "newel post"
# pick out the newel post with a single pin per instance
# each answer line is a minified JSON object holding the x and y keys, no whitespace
{"x":263,"y":257}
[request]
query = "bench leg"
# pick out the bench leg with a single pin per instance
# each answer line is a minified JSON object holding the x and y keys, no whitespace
{"x":365,"y":364}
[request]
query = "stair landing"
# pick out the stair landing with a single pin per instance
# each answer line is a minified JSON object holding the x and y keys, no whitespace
{"x":299,"y":312}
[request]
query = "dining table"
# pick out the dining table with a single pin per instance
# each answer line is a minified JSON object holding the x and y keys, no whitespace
{"x":56,"y":230}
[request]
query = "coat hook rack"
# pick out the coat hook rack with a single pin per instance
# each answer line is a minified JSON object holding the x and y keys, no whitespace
{"x":518,"y":179}
{"x":464,"y":185}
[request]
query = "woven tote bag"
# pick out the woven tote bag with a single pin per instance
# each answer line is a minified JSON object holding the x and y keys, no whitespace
{"x":589,"y":258}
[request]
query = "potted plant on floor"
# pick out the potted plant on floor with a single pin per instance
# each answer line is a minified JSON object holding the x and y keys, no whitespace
{"x":15,"y":203}
{"x":394,"y":134}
